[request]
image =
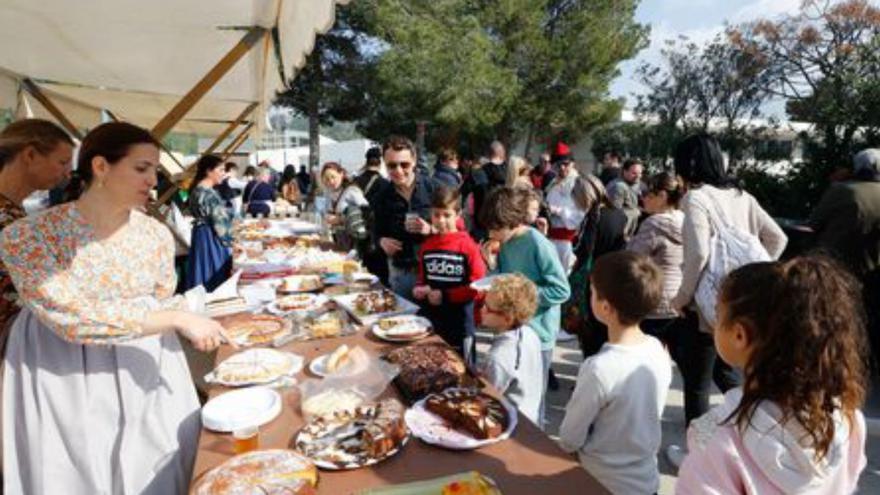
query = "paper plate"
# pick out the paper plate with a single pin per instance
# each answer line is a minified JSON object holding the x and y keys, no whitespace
{"x":414,"y":320}
{"x":484,"y":284}
{"x":434,"y":430}
{"x":253,"y":406}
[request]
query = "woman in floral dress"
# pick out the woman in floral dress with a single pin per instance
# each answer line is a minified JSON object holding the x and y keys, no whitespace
{"x":210,"y":262}
{"x":97,"y":395}
{"x":34,"y":155}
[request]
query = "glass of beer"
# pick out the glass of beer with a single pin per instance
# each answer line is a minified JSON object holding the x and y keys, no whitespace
{"x":246,"y":439}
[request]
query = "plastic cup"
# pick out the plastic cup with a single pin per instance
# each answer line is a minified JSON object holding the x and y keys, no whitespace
{"x":246,"y":439}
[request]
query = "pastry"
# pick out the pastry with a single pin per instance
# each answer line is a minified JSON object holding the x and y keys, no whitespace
{"x":338,"y":359}
{"x":264,"y":472}
{"x":301,"y":283}
{"x":471,"y":412}
{"x":296,"y":302}
{"x":326,"y":325}
{"x":427,"y":368}
{"x":375,"y":302}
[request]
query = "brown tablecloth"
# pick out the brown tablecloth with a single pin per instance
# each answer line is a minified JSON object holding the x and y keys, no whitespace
{"x":527,"y":463}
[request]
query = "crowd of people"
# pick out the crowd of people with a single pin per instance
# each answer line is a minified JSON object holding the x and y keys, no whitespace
{"x":680,"y":266}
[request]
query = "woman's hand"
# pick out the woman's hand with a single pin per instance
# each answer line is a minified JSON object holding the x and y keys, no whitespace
{"x":204,"y":333}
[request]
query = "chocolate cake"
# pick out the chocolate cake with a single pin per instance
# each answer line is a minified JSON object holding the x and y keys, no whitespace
{"x":471,"y":412}
{"x":425,"y":369}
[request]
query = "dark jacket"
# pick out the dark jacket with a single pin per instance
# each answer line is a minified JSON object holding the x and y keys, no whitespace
{"x":447,"y":176}
{"x":390,"y":213}
{"x":847,"y":223}
{"x":483,"y":181}
{"x":371,"y":183}
{"x":257,"y":196}
{"x":540,"y":180}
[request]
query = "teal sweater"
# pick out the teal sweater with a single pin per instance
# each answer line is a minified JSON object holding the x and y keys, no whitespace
{"x":532,"y":255}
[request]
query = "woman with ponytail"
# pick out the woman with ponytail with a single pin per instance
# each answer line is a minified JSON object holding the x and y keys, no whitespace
{"x":209,"y":262}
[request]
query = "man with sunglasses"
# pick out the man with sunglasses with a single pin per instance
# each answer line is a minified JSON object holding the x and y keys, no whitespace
{"x":402,"y":210}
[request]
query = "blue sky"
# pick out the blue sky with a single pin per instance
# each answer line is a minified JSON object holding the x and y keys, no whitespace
{"x":700,"y":20}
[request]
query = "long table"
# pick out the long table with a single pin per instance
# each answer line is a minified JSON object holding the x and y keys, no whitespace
{"x":527,"y":463}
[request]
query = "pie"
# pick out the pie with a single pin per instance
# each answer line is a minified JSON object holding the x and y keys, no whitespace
{"x":402,"y":327}
{"x":469,"y":411}
{"x":355,"y":437}
{"x":256,"y":329}
{"x":269,"y":472}
{"x":425,"y":369}
{"x":253,"y":366}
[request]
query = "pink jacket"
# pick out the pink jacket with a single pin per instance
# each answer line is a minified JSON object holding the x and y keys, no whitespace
{"x":767,"y":458}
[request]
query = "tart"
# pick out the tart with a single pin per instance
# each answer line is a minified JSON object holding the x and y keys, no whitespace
{"x":469,"y":411}
{"x":331,"y":401}
{"x":301,"y":283}
{"x":253,"y":366}
{"x":271,"y":472}
{"x":326,"y":325}
{"x":256,"y":329}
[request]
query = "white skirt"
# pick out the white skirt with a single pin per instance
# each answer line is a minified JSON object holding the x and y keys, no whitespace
{"x":96,"y":419}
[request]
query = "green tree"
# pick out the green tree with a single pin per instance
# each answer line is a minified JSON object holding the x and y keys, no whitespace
{"x":334,"y":82}
{"x":824,"y":61}
{"x":478,"y":69}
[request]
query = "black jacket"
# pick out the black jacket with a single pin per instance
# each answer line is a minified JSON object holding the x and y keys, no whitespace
{"x":390,"y":216}
{"x":482,"y":181}
{"x":446,"y":176}
{"x":370,"y":186}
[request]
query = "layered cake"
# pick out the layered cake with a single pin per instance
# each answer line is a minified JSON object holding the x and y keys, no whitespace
{"x":386,"y":430}
{"x":471,"y":412}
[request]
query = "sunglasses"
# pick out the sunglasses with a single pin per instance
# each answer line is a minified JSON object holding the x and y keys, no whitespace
{"x":396,"y":165}
{"x":492,"y":311}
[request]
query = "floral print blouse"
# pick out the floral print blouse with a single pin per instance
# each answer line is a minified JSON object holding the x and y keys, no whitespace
{"x":9,"y":305}
{"x":207,"y":206}
{"x":89,"y":290}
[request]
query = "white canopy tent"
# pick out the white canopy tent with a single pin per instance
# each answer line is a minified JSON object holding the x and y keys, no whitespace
{"x":192,"y":66}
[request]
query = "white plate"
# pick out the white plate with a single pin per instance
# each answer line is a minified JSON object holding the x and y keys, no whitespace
{"x":433,"y":429}
{"x":483,"y":284}
{"x":358,"y":277}
{"x":253,"y":406}
{"x":346,"y":301}
{"x":408,"y":319}
{"x":293,"y":363}
{"x":318,"y":367}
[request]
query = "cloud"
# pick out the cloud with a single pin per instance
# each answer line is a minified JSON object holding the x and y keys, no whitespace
{"x":765,"y":8}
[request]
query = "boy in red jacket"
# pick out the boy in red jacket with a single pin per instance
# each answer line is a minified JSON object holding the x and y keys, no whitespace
{"x":449,"y":260}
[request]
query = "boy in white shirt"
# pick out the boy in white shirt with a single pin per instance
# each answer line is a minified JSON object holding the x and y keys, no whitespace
{"x":514,"y":364}
{"x":613,"y":418}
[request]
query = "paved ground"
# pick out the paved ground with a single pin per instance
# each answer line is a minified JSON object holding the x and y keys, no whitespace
{"x":567,"y":359}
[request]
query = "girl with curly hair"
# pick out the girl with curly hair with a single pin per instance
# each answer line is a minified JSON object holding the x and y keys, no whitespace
{"x":796,"y":329}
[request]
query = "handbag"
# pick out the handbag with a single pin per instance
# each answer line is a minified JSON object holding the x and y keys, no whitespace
{"x":729,"y":248}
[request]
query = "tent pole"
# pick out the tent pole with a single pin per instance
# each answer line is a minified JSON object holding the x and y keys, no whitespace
{"x":238,"y":141}
{"x":44,"y":100}
{"x":231,"y":127}
{"x":207,"y":82}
